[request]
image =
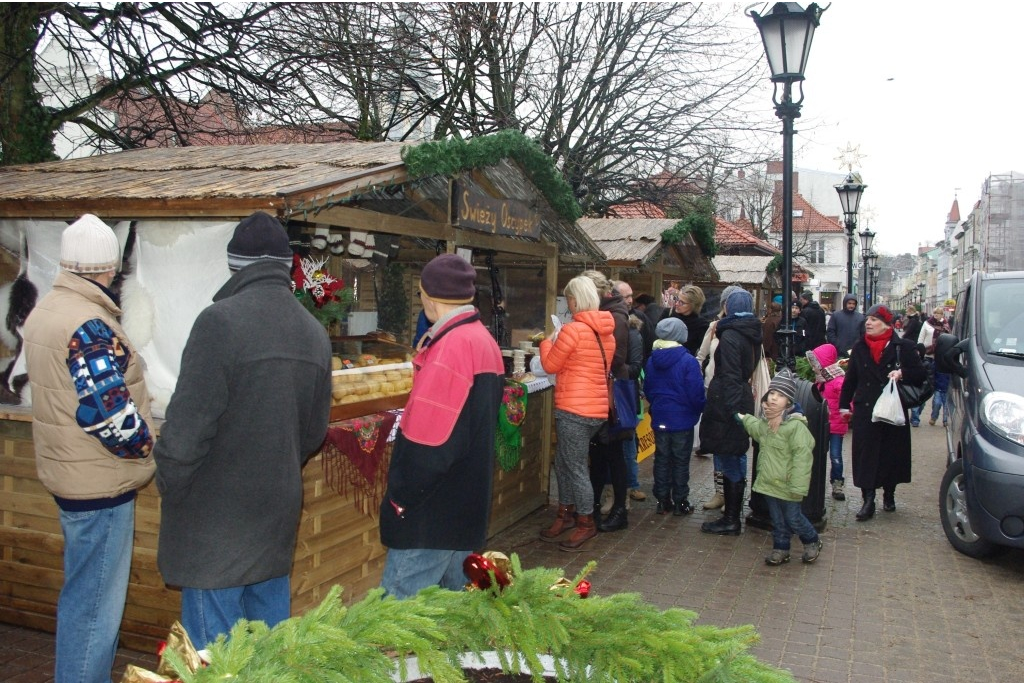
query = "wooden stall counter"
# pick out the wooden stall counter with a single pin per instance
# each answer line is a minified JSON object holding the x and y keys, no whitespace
{"x":338,"y":541}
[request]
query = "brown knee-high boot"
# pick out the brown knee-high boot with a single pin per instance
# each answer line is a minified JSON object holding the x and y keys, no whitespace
{"x":565,"y":520}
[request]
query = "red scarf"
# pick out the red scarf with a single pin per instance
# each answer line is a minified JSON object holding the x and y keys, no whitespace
{"x":877,"y":343}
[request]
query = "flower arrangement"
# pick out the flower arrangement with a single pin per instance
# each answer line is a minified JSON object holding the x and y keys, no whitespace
{"x":323,"y":295}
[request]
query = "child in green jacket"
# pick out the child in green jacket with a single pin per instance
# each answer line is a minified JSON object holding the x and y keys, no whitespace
{"x":784,"y":467}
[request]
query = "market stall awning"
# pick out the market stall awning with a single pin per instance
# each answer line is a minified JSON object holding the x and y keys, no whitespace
{"x":353,"y":184}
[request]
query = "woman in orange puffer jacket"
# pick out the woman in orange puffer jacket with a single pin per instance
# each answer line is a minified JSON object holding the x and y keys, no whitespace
{"x":573,"y":354}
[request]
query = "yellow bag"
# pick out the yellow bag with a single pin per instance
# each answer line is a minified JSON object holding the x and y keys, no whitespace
{"x":644,"y":438}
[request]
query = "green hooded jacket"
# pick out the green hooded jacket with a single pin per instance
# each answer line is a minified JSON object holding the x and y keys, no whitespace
{"x":785,"y":459}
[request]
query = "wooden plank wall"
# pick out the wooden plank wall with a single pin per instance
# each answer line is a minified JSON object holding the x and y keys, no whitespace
{"x":338,"y":544}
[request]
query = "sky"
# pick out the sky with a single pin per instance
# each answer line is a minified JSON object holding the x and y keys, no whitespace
{"x":926,"y":92}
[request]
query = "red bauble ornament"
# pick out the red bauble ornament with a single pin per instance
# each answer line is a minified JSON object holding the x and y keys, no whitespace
{"x":478,"y":569}
{"x":583,"y":588}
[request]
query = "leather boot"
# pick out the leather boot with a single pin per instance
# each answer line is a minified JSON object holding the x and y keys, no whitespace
{"x":718,"y":500}
{"x":565,"y":520}
{"x":889,"y":499}
{"x":729,"y":524}
{"x":616,"y":520}
{"x":584,"y":530}
{"x":867,"y":510}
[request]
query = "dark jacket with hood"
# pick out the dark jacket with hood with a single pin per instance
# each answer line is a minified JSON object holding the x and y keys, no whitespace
{"x":815,"y":318}
{"x":739,"y":349}
{"x":845,"y":328}
{"x":251,"y":405}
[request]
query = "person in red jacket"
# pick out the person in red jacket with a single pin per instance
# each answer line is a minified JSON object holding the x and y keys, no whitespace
{"x":580,"y":355}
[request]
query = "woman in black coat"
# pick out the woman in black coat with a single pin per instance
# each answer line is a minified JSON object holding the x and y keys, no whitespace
{"x":729,"y":393}
{"x":881,"y":451}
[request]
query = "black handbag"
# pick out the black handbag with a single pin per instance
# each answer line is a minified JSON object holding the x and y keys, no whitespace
{"x":914,"y":395}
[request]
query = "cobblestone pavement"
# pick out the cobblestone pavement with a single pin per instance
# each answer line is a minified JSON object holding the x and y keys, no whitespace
{"x":888,"y":600}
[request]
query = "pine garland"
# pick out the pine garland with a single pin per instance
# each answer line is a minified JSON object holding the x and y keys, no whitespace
{"x":619,"y":638}
{"x":451,"y":157}
{"x":700,"y":223}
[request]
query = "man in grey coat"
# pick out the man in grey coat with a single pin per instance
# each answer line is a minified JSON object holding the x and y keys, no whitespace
{"x":845,"y":327}
{"x":251,"y":405}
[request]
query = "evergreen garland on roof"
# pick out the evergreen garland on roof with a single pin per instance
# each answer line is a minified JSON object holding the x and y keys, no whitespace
{"x":619,"y":638}
{"x":699,"y":222}
{"x":451,"y":157}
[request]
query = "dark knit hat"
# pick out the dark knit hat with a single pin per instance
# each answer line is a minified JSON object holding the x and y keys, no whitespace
{"x":449,"y":279}
{"x":258,"y":236}
{"x":739,"y":302}
{"x":807,"y":295}
{"x":672,"y":329}
{"x":784,"y":383}
{"x":880,"y":311}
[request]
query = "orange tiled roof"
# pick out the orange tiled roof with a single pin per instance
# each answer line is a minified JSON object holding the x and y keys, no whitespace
{"x":636,"y":210}
{"x":731,"y":235}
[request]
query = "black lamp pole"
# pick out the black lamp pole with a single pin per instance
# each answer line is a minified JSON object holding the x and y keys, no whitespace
{"x":850,"y":192}
{"x":867,"y":237}
{"x":787,"y":31}
{"x":875,"y":271}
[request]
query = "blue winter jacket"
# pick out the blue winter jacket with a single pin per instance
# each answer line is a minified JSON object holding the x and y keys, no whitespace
{"x":674,"y":385}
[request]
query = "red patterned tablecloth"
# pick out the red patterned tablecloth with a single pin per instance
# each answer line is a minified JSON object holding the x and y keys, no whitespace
{"x":356,"y":454}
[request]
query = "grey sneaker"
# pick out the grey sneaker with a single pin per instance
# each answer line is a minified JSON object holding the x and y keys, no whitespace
{"x":837,"y":490}
{"x":811,"y":552}
{"x":777,"y":557}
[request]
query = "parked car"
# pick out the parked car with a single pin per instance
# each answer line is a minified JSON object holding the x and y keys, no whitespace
{"x":982,"y":494}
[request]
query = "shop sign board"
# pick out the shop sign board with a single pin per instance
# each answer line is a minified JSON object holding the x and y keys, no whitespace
{"x":475,"y":210}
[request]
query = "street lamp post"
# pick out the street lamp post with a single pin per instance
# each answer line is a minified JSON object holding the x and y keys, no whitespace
{"x":921,"y":288}
{"x":787,"y":31}
{"x":850,"y":192}
{"x":867,"y":237}
{"x":875,"y":271}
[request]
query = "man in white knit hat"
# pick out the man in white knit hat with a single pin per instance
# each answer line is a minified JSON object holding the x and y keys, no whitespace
{"x":93,"y":442}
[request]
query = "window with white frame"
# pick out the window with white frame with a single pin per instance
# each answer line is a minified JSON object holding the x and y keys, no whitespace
{"x":816,"y":252}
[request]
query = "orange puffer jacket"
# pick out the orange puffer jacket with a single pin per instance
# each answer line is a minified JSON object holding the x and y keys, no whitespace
{"x":581,"y":384}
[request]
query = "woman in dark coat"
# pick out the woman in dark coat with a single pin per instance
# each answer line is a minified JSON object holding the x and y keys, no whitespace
{"x":881,"y":451}
{"x":686,"y":308}
{"x":729,"y":393}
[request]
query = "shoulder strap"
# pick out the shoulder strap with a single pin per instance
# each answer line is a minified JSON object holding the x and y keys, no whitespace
{"x":604,"y":359}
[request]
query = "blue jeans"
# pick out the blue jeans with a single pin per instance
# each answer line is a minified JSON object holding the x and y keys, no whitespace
{"x":632,"y":467}
{"x":939,"y":402}
{"x":835,"y":456}
{"x":733,"y":466}
{"x":97,"y":559}
{"x":915,"y":415}
{"x":788,"y":518}
{"x":205,"y":614}
{"x":407,"y":571}
{"x":672,"y":451}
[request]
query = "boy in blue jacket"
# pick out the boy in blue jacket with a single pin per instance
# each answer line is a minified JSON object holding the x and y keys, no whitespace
{"x":674,"y":385}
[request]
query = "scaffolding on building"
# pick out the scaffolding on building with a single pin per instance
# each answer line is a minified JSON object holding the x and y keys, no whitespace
{"x":1001,"y":225}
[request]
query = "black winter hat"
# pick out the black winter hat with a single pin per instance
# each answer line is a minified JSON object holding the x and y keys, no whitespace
{"x":258,"y":236}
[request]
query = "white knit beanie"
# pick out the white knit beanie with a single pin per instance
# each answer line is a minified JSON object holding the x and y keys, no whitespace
{"x":89,"y":246}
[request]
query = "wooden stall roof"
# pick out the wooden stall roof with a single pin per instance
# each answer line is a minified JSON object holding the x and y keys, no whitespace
{"x":635,"y":243}
{"x":346,"y":183}
{"x":743,"y":269}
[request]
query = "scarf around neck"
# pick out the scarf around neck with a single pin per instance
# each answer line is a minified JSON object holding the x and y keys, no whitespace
{"x":877,"y":343}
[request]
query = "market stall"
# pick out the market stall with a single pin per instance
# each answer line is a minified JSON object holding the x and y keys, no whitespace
{"x":368,"y":215}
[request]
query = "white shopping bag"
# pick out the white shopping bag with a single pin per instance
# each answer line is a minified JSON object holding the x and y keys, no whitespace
{"x":888,"y":408}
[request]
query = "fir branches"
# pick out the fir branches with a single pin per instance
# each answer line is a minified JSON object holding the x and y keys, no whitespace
{"x":598,"y":639}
